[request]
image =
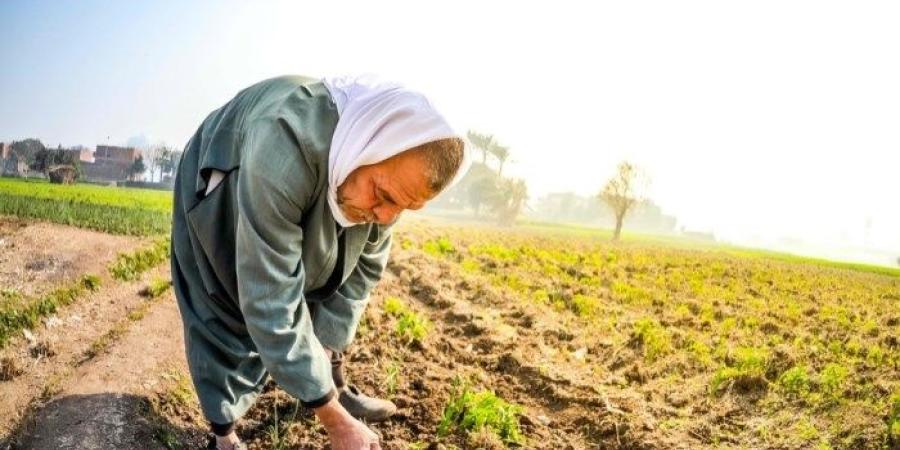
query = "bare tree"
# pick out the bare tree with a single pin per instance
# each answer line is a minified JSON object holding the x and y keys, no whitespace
{"x":622,"y":192}
{"x":163,"y":160}
{"x":151,"y":155}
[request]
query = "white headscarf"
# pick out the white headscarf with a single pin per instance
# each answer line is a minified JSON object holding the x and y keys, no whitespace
{"x":377,"y":120}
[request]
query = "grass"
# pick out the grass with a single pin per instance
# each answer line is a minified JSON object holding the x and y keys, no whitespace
{"x":112,"y":210}
{"x":391,"y":378}
{"x":471,"y":412}
{"x":179,"y":394}
{"x":568,"y":231}
{"x":278,"y":431}
{"x":176,"y":398}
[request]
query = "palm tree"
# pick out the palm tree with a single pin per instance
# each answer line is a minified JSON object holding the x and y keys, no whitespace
{"x":484,"y":142}
{"x":502,"y":154}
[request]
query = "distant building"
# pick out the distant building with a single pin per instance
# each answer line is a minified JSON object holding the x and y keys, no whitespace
{"x":113,"y":154}
{"x":110,"y":163}
{"x":10,"y":162}
{"x":85,"y":154}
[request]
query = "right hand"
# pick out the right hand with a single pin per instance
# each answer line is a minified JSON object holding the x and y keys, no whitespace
{"x":345,"y":432}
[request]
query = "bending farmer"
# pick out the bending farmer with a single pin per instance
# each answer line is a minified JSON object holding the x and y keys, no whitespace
{"x":284,"y":201}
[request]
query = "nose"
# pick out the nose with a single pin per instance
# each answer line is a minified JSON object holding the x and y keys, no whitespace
{"x":386,"y":214}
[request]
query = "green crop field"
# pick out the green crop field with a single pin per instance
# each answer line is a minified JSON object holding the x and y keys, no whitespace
{"x":725,"y":345}
{"x":108,"y":209}
{"x":696,"y":343}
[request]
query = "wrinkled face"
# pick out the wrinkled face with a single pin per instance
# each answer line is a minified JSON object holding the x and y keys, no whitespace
{"x":380,"y":192}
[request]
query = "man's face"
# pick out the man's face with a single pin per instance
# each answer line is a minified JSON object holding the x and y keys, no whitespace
{"x":380,"y":192}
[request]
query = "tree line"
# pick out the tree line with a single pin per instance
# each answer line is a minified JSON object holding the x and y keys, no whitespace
{"x":487,"y":192}
{"x":160,"y":161}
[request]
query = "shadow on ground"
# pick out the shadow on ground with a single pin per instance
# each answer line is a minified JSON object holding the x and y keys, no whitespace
{"x":100,"y":421}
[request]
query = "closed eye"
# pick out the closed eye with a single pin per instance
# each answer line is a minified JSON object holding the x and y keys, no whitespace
{"x":385,"y":197}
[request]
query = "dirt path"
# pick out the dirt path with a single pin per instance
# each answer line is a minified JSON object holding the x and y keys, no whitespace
{"x":36,"y":256}
{"x":104,"y":402}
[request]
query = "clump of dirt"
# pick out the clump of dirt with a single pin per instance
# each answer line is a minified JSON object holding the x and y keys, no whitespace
{"x":41,"y":263}
{"x":9,"y":368}
{"x":10,"y":224}
{"x":485,"y":440}
{"x":41,"y":349}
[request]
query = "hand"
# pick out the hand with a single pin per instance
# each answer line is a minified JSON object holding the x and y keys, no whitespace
{"x":345,"y":432}
{"x":354,"y":435}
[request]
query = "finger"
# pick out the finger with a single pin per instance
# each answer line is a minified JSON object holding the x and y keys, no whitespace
{"x":375,"y":446}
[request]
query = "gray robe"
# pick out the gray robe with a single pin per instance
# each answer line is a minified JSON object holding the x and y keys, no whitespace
{"x":250,"y":260}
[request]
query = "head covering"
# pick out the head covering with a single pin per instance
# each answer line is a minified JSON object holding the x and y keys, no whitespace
{"x":377,"y":120}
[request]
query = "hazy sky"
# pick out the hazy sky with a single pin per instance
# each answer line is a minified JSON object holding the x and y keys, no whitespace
{"x":754,"y":119}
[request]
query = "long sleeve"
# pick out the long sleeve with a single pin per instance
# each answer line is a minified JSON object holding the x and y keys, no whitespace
{"x":274,"y":187}
{"x":337,"y":317}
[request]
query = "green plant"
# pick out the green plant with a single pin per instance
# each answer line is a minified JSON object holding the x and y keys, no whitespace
{"x":653,"y":338}
{"x":166,"y":437}
{"x":157,"y":287}
{"x":91,"y":282}
{"x":412,"y":327}
{"x":391,"y":377}
{"x":439,"y":247}
{"x":747,"y":370}
{"x":831,"y":379}
{"x":795,"y":381}
{"x":585,"y":306}
{"x":894,"y":418}
{"x":393,"y":306}
{"x":469,"y":412}
{"x":700,"y":352}
{"x":9,"y":294}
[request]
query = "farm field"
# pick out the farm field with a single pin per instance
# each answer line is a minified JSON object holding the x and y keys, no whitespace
{"x":551,"y":337}
{"x":113,"y":210}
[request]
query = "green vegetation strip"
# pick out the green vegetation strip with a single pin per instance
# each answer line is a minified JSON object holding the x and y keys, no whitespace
{"x":17,"y":313}
{"x":108,"y":209}
{"x":130,"y":266}
{"x":15,"y":318}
